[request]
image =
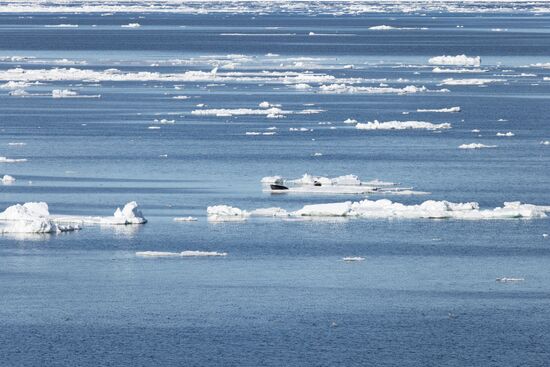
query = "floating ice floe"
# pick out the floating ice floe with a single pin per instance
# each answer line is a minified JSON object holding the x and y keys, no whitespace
{"x":223,"y":213}
{"x":180,"y":254}
{"x":545,"y":142}
{"x":185,"y":219}
{"x":386,"y":209}
{"x":272,"y":112}
{"x":449,"y":110}
{"x":401,"y":125}
{"x":509,"y":133}
{"x":509,"y":280}
{"x":391,"y":28}
{"x":475,"y":146}
{"x":353,"y":258}
{"x":67,"y":93}
{"x":12,"y":160}
{"x":34,"y":217}
{"x":8,"y":180}
{"x":438,"y":69}
{"x":462,"y":60}
{"x":350,"y":89}
{"x":61,"y":26}
{"x":451,"y":81}
{"x":131,"y":25}
{"x":347,"y":184}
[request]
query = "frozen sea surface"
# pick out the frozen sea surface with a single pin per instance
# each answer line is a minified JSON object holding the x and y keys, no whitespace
{"x":426,"y":293}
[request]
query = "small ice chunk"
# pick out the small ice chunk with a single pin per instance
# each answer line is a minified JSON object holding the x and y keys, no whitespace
{"x":353,"y":258}
{"x":509,"y":133}
{"x":8,"y":180}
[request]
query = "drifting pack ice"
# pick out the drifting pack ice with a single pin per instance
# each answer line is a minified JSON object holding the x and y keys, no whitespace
{"x":348,"y":184}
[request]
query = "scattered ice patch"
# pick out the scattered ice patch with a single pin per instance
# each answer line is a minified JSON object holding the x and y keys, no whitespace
{"x":131,"y":25}
{"x":509,"y":133}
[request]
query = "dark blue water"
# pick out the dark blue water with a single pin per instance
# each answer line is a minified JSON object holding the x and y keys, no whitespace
{"x":426,"y":293}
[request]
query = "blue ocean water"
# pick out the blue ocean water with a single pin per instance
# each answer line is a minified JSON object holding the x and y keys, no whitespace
{"x":426,"y":293}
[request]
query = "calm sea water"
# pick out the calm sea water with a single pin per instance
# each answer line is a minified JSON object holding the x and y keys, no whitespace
{"x":425,"y":295}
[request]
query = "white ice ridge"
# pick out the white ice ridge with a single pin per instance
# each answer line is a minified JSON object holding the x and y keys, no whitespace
{"x":451,"y":81}
{"x":180,"y":254}
{"x":34,"y":217}
{"x":449,"y":110}
{"x":401,"y":125}
{"x":475,"y":146}
{"x":386,"y":209}
{"x":347,"y":184}
{"x":461,"y":60}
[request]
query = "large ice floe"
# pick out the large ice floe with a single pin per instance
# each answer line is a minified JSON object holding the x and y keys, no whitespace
{"x":461,"y":60}
{"x":347,"y":184}
{"x":386,"y":209}
{"x":401,"y":125}
{"x":35,"y":217}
